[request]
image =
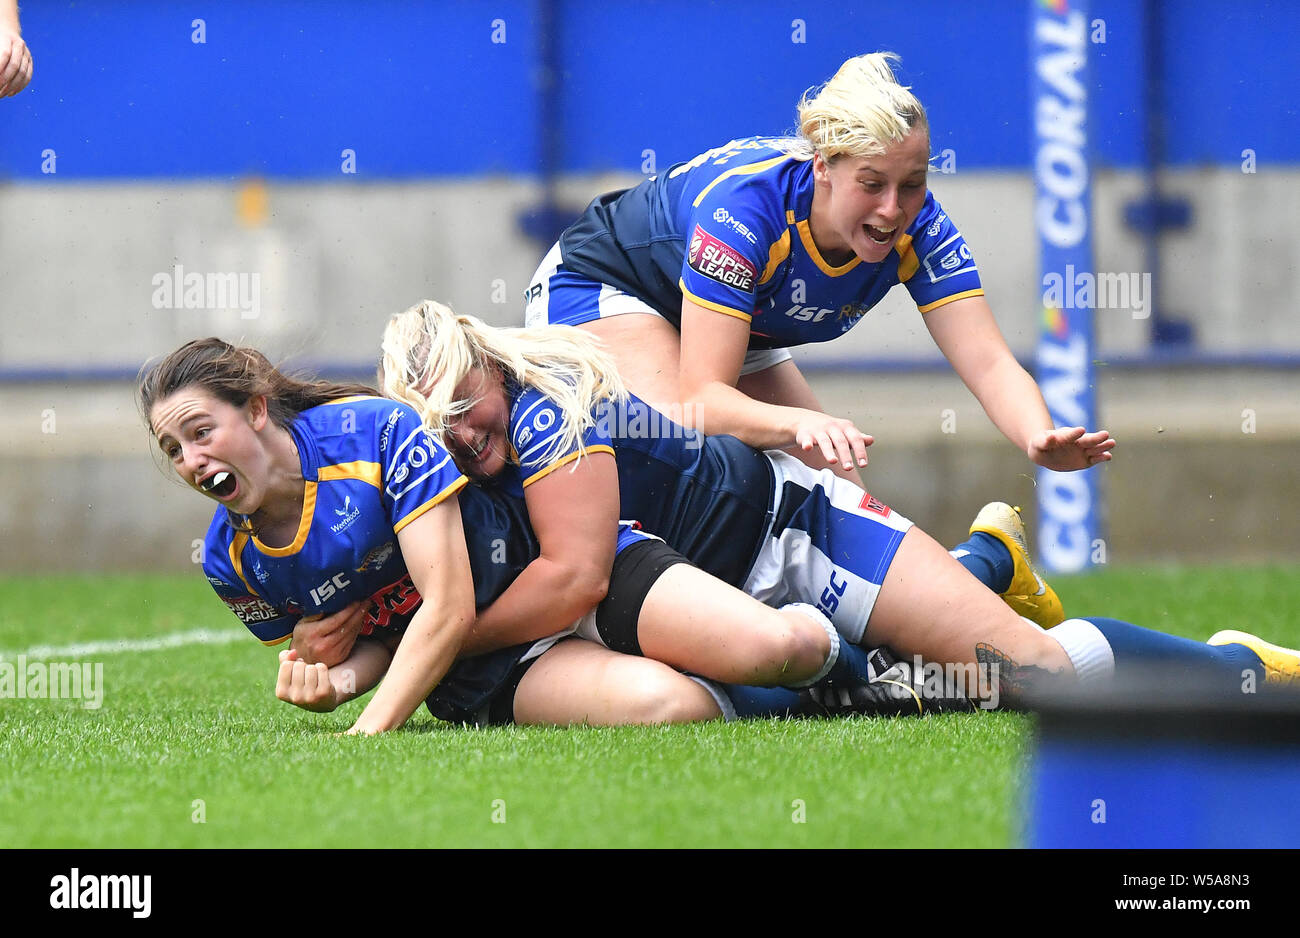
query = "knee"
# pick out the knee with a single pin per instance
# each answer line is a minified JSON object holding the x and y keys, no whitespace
{"x":781,"y":647}
{"x":799,"y":647}
{"x":670,"y":697}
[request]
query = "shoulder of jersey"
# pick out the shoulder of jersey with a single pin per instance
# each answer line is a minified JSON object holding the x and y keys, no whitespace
{"x":531,"y":414}
{"x":930,"y":216}
{"x":216,"y":550}
{"x":358,"y":427}
{"x":755,"y":192}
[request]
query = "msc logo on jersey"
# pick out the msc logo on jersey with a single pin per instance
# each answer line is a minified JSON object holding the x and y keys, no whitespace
{"x":395,"y":416}
{"x":717,"y":261}
{"x":936,"y":225}
{"x":723,"y":217}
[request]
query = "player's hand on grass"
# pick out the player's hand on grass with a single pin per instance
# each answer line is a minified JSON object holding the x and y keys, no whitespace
{"x":305,"y":685}
{"x":1068,"y":448}
{"x":329,"y":639}
{"x":838,"y":439}
{"x":15,"y":62}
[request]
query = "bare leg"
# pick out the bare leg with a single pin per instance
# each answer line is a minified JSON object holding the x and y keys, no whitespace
{"x":929,"y":605}
{"x":647,"y":350}
{"x":580,"y":682}
{"x":698,"y":623}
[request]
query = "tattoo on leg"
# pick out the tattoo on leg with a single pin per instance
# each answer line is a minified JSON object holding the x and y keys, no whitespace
{"x":1014,"y":679}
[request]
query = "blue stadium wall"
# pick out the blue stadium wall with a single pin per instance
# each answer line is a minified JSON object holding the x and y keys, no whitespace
{"x":279,"y":90}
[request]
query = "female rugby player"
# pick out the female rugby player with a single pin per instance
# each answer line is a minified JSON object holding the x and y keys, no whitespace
{"x":329,"y":495}
{"x":540,"y":412}
{"x":699,"y":278}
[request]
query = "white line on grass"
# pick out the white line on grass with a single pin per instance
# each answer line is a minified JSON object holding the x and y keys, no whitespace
{"x":82,"y":649}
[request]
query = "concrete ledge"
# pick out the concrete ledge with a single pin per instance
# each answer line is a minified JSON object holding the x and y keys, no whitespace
{"x":1188,"y":483}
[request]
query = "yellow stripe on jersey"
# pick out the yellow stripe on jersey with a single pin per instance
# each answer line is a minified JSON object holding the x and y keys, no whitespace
{"x":431,"y":503}
{"x":351,"y":400}
{"x":951,"y":299}
{"x":805,"y":235}
{"x":370,"y":472}
{"x":747,"y":170}
{"x":304,"y":525}
{"x":276,"y":641}
{"x":776,"y":256}
{"x":907,"y":262}
{"x":599,"y":448}
{"x":709,"y":304}
{"x":236,"y":551}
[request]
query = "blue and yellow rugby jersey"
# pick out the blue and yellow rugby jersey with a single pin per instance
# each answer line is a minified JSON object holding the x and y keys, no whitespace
{"x":535,"y":422}
{"x":534,"y":425}
{"x":369,"y":469}
{"x":729,"y":230}
{"x":707,"y":497}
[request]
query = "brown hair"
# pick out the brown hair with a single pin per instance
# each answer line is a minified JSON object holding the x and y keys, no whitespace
{"x":234,"y":375}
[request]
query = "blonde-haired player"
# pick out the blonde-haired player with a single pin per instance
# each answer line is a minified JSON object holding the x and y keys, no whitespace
{"x":762,"y":521}
{"x":700,"y":278}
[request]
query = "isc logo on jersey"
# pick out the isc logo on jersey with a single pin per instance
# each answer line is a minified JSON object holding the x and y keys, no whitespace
{"x":717,"y":261}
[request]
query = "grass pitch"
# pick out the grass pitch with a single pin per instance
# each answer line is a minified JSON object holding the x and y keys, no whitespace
{"x":190,"y":748}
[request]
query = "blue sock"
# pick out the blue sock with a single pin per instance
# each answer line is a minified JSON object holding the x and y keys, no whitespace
{"x":1137,"y":649}
{"x":988,"y":559}
{"x":761,"y":701}
{"x":852,"y":665}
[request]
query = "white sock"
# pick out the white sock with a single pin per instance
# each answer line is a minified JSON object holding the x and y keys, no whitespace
{"x":1087,"y":649}
{"x":819,"y":617}
{"x":718,"y":694}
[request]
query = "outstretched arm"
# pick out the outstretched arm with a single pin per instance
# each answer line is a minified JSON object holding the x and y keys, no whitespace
{"x":969,"y":338}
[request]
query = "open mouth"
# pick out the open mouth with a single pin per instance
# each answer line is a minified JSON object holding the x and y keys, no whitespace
{"x":221,"y":484}
{"x":879,"y":235}
{"x":476,"y":452}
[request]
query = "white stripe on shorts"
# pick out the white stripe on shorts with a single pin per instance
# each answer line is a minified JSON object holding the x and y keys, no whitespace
{"x":794,"y":567}
{"x":535,"y":305}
